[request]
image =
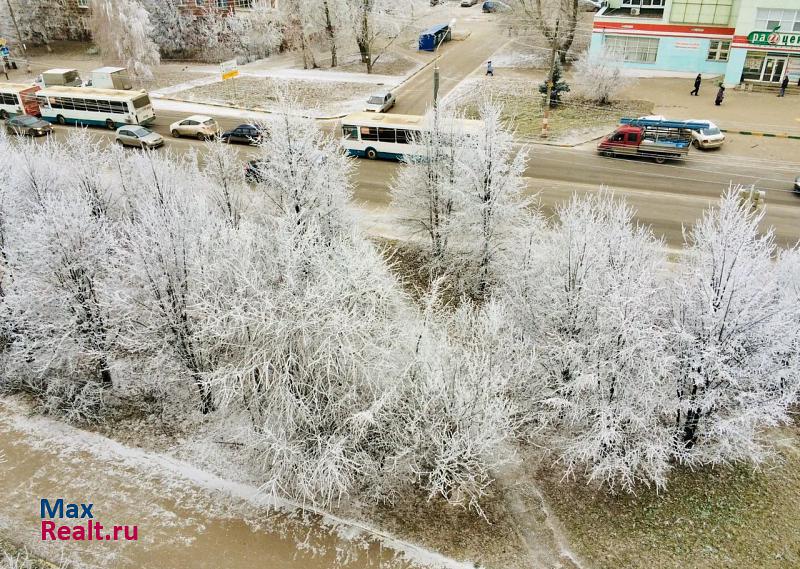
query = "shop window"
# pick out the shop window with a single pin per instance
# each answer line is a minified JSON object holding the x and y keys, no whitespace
{"x":83,"y":3}
{"x":768,"y":19}
{"x":644,"y":3}
{"x":718,"y":50}
{"x":701,"y":11}
{"x":634,"y":49}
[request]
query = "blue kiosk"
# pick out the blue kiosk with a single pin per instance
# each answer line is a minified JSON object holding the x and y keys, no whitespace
{"x":430,"y":39}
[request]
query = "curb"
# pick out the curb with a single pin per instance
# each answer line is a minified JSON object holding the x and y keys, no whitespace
{"x":764,"y":134}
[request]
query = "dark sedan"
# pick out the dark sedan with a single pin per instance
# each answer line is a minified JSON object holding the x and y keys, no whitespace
{"x":244,"y":134}
{"x":27,"y":125}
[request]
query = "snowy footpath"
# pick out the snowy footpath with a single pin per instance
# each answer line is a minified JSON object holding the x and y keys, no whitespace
{"x":184,"y":517}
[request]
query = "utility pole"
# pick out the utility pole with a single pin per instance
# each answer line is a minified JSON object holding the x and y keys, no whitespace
{"x":19,"y":37}
{"x":436,"y":64}
{"x":436,"y":84}
{"x":546,"y":114}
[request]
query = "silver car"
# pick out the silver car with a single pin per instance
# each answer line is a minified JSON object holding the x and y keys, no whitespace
{"x":380,"y":102}
{"x":200,"y":127}
{"x":139,"y":137}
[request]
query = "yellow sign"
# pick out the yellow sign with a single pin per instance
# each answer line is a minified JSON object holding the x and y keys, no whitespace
{"x":229,"y":69}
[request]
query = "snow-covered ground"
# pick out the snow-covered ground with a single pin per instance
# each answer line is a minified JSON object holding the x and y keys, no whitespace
{"x":182,"y":510}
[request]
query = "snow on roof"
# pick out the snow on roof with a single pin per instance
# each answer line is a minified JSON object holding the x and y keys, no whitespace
{"x":6,"y":87}
{"x":61,"y":70}
{"x":78,"y":91}
{"x":108,"y":69}
{"x":391,"y":119}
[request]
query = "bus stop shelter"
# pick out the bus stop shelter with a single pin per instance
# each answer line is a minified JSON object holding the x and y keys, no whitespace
{"x":430,"y":39}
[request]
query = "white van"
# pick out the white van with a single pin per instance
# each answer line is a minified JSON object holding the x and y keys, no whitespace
{"x":59,"y":78}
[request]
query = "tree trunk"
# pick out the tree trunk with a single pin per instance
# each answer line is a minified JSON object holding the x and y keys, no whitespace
{"x":572,"y":22}
{"x":363,"y":38}
{"x":330,"y":31}
{"x":206,"y":400}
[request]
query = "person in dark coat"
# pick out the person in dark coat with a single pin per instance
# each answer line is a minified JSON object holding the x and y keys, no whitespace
{"x":784,"y":84}
{"x":697,"y":81}
{"x":720,"y":95}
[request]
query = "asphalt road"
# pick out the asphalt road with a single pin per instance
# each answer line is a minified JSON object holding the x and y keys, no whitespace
{"x":665,"y":196}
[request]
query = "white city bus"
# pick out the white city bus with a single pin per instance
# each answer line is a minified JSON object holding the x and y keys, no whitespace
{"x":390,"y":136}
{"x":17,"y":99}
{"x":99,"y":107}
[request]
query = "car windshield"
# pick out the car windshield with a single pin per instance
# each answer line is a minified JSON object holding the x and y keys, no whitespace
{"x":209,"y":122}
{"x":140,"y":131}
{"x":27,"y":121}
{"x":711,"y":131}
{"x":376,"y":100}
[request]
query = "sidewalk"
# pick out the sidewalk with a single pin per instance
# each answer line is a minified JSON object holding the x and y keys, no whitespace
{"x":740,"y":111}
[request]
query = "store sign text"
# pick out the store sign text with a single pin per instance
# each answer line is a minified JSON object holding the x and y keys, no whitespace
{"x":773,"y":38}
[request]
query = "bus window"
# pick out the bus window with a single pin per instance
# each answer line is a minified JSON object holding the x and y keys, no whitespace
{"x":405,"y":136}
{"x":369,"y":133}
{"x":119,"y":107}
{"x":386,"y":135}
{"x":140,"y":102}
{"x":350,"y":132}
{"x":8,"y":99}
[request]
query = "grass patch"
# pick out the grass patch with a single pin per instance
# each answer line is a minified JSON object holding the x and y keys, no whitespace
{"x":727,"y":517}
{"x":522,"y":107}
{"x":262,"y":92}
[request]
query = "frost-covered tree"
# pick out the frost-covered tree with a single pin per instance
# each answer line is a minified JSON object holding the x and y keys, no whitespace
{"x":492,"y":210}
{"x":556,"y":20}
{"x":256,"y":33}
{"x":305,"y":327}
{"x":171,"y":242}
{"x":228,"y":192}
{"x":62,"y":250}
{"x":121,"y":30}
{"x":303,"y":175}
{"x":43,"y":21}
{"x":599,"y":77}
{"x":378,"y":23}
{"x":426,"y":191}
{"x":730,"y":336}
{"x":589,"y":300}
{"x":456,"y":418}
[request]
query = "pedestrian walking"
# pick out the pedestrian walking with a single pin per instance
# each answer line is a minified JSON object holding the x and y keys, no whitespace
{"x":5,"y":70}
{"x":784,"y":84}
{"x":720,"y":95}
{"x":697,"y":81}
{"x":489,"y":68}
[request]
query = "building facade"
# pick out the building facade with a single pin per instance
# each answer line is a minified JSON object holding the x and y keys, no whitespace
{"x":743,"y":40}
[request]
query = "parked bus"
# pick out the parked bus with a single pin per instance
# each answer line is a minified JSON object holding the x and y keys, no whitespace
{"x":99,"y":107}
{"x":390,"y":136}
{"x":17,"y":99}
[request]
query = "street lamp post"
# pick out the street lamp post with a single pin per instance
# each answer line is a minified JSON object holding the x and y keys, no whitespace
{"x":436,"y":65}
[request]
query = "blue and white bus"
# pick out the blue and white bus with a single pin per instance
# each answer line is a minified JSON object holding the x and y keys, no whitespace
{"x":390,"y":136}
{"x":98,"y":107}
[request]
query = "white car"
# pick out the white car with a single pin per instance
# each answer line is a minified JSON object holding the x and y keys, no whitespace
{"x":711,"y":137}
{"x":139,"y":137}
{"x":380,"y":102}
{"x":590,"y":5}
{"x":200,"y":127}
